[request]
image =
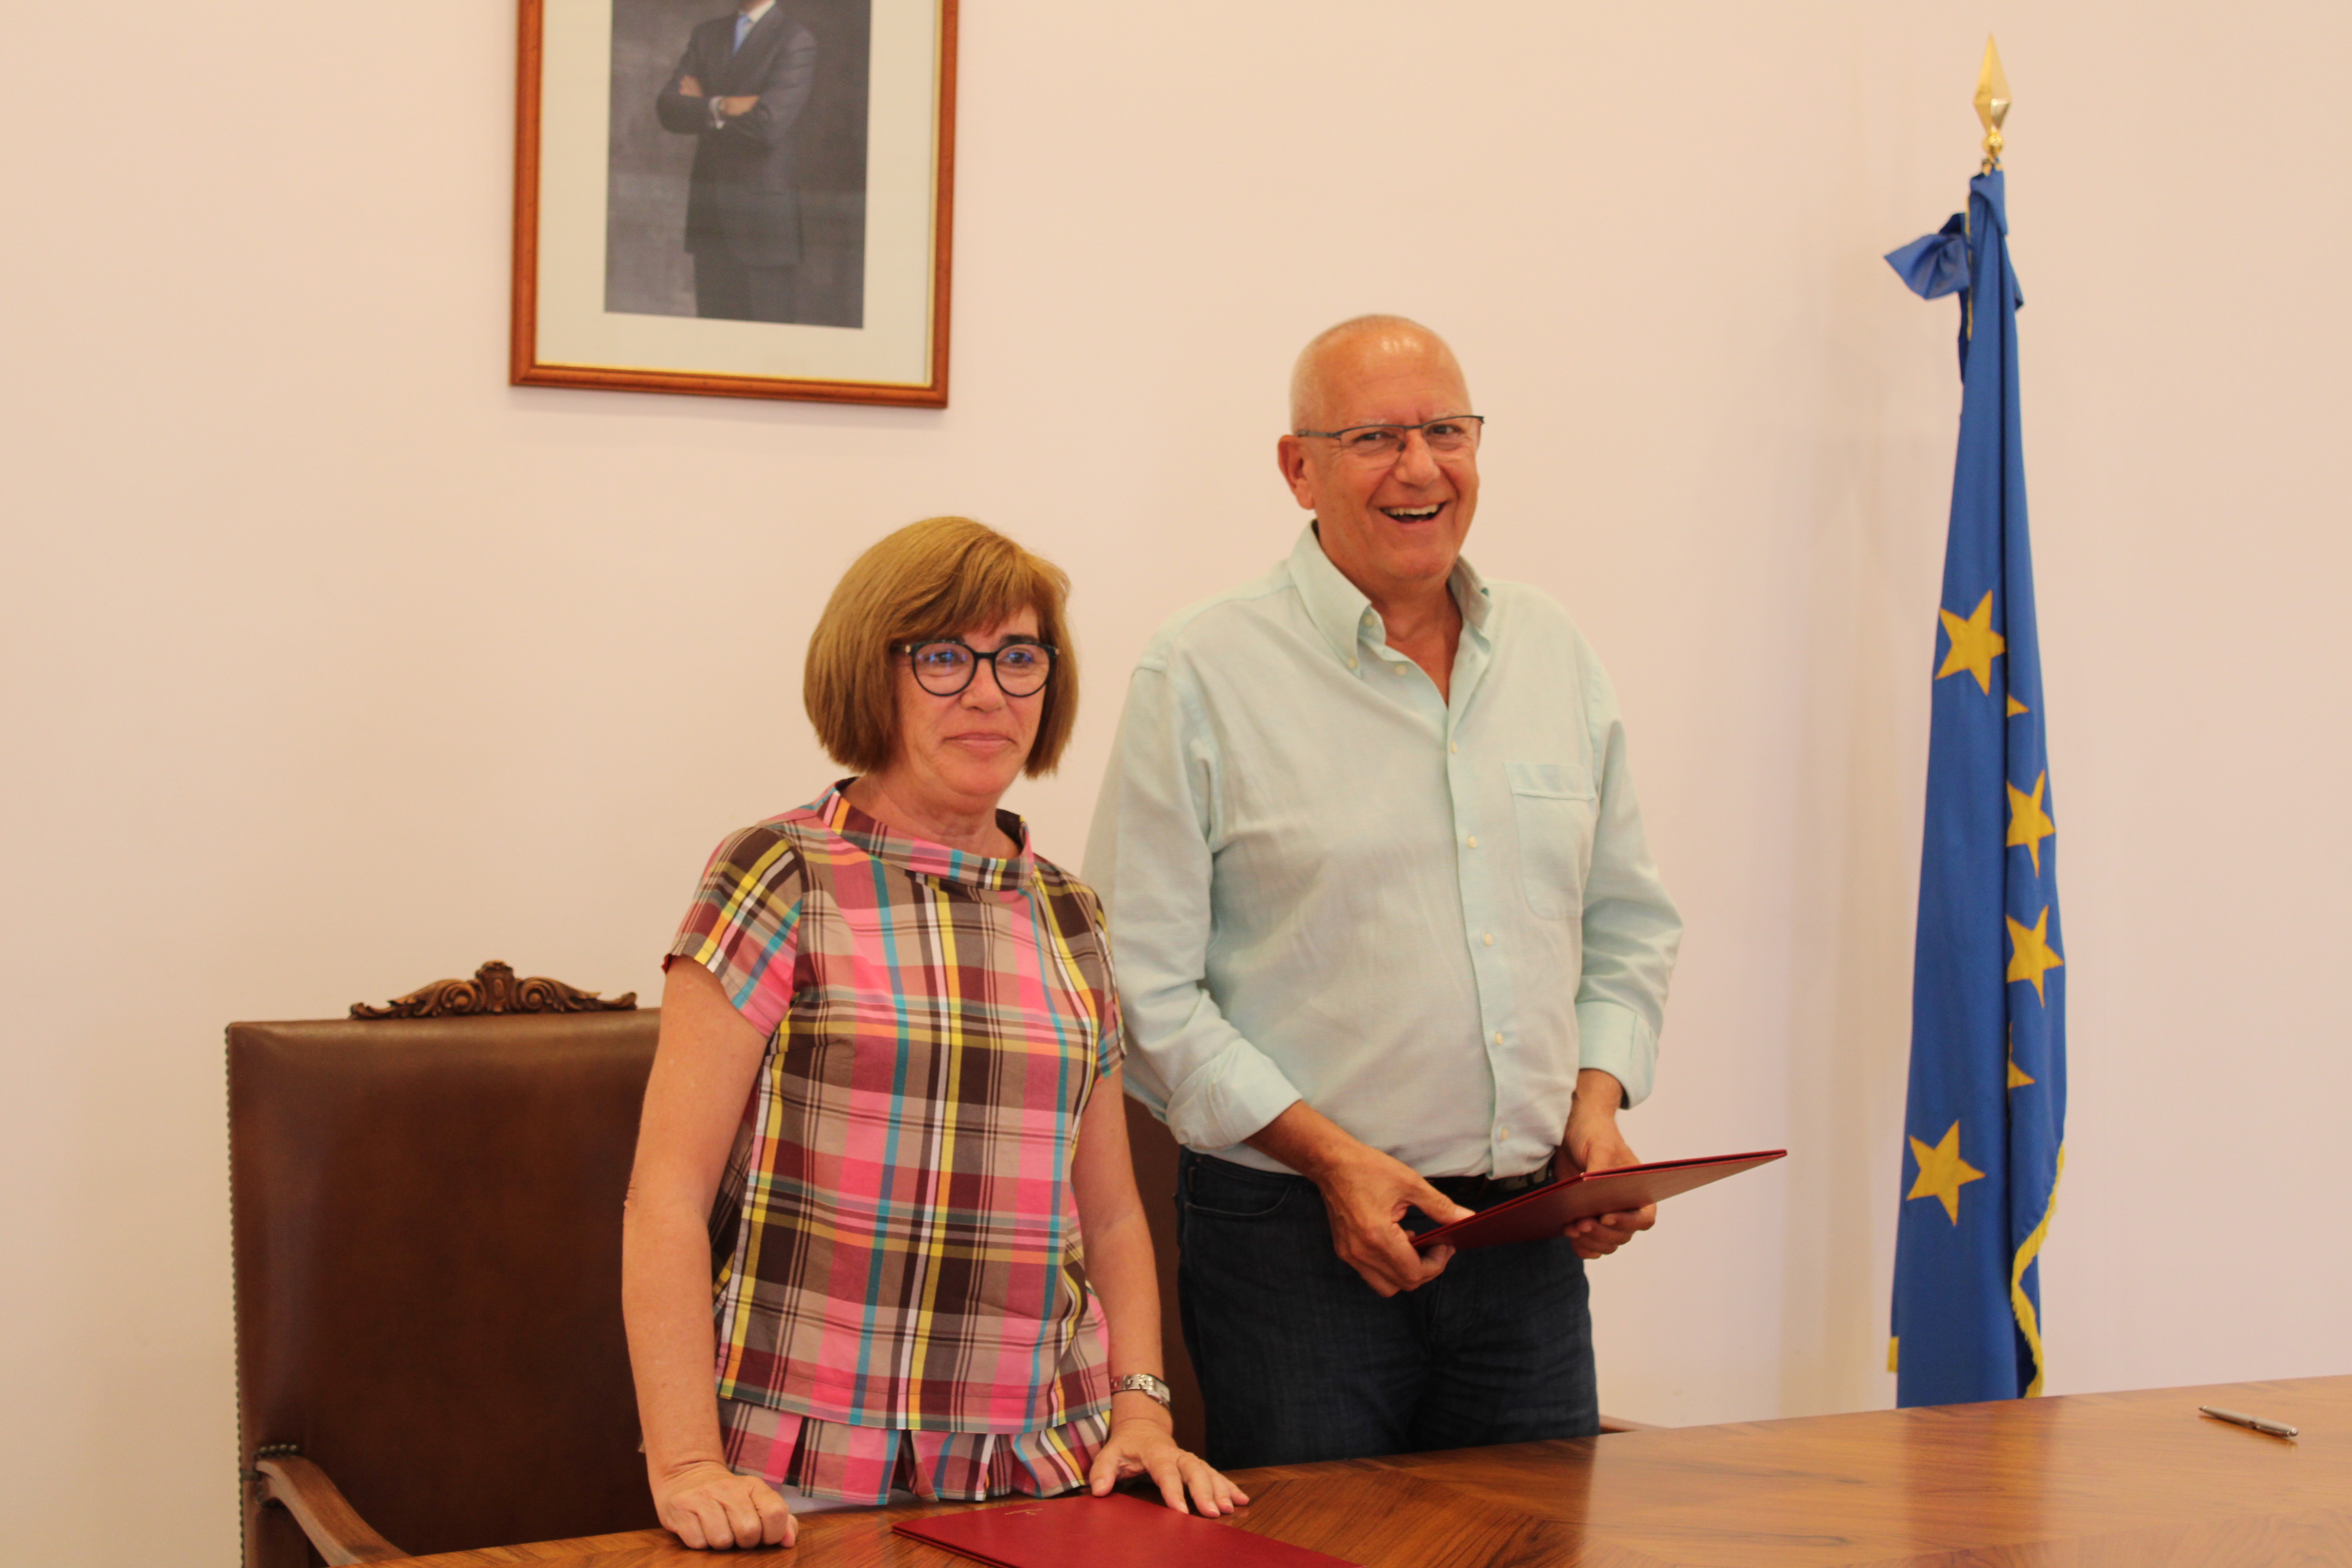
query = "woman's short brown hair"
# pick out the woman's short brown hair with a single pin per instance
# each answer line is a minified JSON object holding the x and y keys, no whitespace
{"x":940,"y":577}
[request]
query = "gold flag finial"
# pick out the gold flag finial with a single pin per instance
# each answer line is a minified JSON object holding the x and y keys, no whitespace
{"x":1992,"y":102}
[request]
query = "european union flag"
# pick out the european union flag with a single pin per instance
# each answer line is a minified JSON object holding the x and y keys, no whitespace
{"x":1986,"y":1119}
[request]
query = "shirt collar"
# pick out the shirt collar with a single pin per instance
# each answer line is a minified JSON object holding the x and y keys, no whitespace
{"x":980,"y":872}
{"x":756,"y":11}
{"x":1344,"y":616}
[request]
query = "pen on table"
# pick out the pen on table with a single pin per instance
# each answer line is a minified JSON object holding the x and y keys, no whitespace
{"x":2240,"y":1418}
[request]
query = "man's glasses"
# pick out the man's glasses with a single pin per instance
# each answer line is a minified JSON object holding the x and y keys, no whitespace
{"x":1380,"y":444}
{"x":946,"y":667}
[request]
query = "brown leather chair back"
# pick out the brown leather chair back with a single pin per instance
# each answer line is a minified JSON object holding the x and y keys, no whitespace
{"x":427,"y":1219}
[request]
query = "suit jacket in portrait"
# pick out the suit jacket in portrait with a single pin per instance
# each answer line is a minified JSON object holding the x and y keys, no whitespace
{"x":744,"y":197}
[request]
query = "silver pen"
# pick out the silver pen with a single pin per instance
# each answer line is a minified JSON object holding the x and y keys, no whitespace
{"x":2240,"y":1418}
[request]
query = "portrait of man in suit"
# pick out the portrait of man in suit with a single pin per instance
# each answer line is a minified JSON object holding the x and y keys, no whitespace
{"x":737,"y":183}
{"x":738,"y":91}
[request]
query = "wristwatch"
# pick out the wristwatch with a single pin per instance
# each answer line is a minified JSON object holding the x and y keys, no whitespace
{"x":1144,"y":1383}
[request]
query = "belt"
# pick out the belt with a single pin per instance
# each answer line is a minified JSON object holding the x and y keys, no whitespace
{"x":1470,"y":1192}
{"x":1484,"y":1192}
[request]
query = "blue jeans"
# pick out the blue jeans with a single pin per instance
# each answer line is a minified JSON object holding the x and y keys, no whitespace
{"x":1300,"y":1359}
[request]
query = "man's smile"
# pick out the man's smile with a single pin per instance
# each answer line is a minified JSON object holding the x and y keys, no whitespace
{"x":1414,"y":514}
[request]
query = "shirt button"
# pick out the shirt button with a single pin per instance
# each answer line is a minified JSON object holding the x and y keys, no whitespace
{"x":1498,"y":1036}
{"x":1490,"y":939}
{"x":1399,"y":666}
{"x":1351,"y":664}
{"x":1474,"y":841}
{"x":1453,"y":745}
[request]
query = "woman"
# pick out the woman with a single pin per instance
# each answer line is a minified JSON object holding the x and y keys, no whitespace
{"x":886,"y":1104}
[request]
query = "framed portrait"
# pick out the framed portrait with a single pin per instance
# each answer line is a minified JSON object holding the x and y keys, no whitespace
{"x":736,"y":198}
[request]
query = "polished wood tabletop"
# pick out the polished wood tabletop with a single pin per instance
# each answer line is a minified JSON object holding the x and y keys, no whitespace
{"x":2100,"y":1480}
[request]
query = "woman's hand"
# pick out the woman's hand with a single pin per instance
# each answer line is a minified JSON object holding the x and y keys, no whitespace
{"x":707,"y":1505}
{"x":1139,"y":1445}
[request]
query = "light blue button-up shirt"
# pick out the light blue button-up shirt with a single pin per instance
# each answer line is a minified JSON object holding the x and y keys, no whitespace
{"x":1326,"y":882}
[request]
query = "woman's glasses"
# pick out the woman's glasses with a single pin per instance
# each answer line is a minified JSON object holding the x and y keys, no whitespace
{"x":946,"y":667}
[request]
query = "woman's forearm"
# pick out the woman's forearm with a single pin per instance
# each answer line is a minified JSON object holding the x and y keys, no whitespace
{"x":1119,"y":1265}
{"x":1118,"y":1236}
{"x":1119,"y":1246}
{"x":702,"y":1074}
{"x":666,"y":1304}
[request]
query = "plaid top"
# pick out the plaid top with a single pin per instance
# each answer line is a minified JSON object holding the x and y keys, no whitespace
{"x":896,"y":1239}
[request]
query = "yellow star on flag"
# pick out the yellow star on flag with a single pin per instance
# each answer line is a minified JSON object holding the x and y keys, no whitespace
{"x":2032,"y":955}
{"x":2028,"y":824}
{"x":2017,"y":1075}
{"x":1975,"y":645}
{"x":1942,"y":1172}
{"x":2015,"y":707}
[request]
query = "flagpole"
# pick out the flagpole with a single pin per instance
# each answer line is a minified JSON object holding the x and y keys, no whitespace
{"x":1985,"y":1111}
{"x":1992,"y":102}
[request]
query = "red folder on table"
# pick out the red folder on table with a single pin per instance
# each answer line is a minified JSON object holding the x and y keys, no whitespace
{"x":1068,"y":1532}
{"x":1551,"y":1209}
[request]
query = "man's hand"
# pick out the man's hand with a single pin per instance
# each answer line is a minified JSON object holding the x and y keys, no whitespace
{"x":732,"y":107}
{"x":1593,"y":1143}
{"x":689,"y":87}
{"x":1365,"y":1194}
{"x":708,"y":1506}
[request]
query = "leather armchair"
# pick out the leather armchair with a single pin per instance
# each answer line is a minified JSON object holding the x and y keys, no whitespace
{"x":427,"y":1230}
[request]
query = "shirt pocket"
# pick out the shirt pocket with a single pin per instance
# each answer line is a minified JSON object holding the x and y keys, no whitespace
{"x":1555,"y":807}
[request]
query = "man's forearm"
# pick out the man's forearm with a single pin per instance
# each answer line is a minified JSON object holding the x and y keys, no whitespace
{"x":1593,"y":1141}
{"x":1307,"y":1141}
{"x":1593,"y":1119}
{"x":1597,"y":1090}
{"x":682,"y":108}
{"x":1365,"y":1191}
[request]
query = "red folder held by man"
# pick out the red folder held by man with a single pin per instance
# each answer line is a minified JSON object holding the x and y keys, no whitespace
{"x":1553,"y":1208}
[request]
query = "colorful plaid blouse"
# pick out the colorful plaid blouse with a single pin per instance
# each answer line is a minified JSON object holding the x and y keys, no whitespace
{"x":895,"y":1243}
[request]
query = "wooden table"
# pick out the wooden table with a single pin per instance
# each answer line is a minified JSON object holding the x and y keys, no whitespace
{"x":2086,"y":1481}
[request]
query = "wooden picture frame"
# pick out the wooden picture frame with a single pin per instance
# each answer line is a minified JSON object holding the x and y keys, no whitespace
{"x":647,"y":259}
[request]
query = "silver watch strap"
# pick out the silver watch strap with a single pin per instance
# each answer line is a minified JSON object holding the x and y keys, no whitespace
{"x":1144,"y":1383}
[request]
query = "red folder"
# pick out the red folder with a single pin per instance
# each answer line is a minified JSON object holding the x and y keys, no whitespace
{"x":1551,"y":1209}
{"x":1068,"y":1532}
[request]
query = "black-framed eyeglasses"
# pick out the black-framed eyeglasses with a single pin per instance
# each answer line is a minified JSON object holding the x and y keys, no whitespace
{"x":1448,"y":435}
{"x":945,"y":665}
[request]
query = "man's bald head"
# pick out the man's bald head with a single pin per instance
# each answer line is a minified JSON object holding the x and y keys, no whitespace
{"x":1336,"y":358}
{"x":1389,"y":513}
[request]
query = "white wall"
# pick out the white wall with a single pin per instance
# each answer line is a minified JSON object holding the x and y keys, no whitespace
{"x":333,"y":665}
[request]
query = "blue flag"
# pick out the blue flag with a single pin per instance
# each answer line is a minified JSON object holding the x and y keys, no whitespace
{"x":1984,"y":1126}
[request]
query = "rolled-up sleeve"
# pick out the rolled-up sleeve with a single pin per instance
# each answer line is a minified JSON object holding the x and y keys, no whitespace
{"x":1632,"y":929}
{"x":1150,"y":856}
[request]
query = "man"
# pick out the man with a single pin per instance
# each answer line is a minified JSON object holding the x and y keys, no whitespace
{"x":1388,"y":938}
{"x":742,"y":207}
